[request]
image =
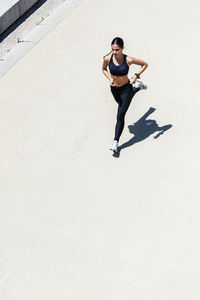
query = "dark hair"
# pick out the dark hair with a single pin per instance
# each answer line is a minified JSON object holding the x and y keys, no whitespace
{"x":116,"y":41}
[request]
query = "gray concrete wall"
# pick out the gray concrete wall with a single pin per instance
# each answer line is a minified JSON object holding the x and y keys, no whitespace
{"x":11,"y":10}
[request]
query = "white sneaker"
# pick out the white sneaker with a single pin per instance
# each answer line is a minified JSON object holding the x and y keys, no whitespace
{"x":140,"y":84}
{"x":114,"y":146}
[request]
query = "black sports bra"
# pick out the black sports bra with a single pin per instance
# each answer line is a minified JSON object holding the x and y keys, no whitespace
{"x":118,"y":70}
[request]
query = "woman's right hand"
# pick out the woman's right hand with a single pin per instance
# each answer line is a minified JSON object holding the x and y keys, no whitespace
{"x":111,"y":82}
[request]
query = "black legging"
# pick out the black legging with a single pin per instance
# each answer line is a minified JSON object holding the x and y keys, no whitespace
{"x":123,"y":96}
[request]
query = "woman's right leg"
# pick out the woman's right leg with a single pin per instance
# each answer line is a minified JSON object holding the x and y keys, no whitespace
{"x":125,"y":96}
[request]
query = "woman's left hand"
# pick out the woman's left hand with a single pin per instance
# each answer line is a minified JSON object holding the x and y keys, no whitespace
{"x":133,"y":80}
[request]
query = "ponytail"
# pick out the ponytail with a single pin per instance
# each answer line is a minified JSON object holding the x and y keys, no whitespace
{"x":107,"y":54}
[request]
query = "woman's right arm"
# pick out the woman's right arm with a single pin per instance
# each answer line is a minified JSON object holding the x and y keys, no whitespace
{"x":104,"y":68}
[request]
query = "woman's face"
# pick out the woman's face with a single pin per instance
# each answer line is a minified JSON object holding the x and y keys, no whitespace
{"x":116,"y":50}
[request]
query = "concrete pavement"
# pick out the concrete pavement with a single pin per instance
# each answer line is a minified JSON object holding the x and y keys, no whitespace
{"x":76,"y":222}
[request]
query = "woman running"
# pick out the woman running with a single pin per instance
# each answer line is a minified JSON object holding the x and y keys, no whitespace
{"x":120,"y":85}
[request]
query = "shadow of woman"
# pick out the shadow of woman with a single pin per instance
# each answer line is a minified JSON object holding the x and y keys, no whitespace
{"x":142,"y":129}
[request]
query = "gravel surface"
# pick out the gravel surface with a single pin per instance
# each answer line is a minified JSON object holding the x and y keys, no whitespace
{"x":40,"y":11}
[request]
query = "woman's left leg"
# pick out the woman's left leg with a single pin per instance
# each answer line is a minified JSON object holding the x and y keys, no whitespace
{"x":126,"y":94}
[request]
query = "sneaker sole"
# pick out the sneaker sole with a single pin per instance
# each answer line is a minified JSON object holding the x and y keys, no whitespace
{"x":115,"y":151}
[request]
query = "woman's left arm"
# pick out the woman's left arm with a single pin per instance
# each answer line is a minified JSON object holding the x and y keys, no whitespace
{"x":136,"y":61}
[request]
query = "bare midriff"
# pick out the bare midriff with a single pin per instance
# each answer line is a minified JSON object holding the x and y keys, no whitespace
{"x":120,"y":80}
